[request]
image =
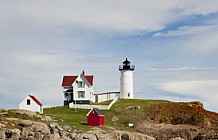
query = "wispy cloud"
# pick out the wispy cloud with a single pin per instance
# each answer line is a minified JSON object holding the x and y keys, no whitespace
{"x":187,"y":30}
{"x":205,"y":91}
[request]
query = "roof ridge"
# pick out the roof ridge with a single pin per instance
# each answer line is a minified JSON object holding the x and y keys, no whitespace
{"x":35,"y":99}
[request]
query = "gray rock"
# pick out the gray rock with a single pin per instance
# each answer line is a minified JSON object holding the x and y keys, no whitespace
{"x":133,"y":108}
{"x":24,"y":134}
{"x":2,"y":134}
{"x":12,"y":119}
{"x":47,"y":118}
{"x":178,"y":138}
{"x":45,"y":130}
{"x":40,"y":124}
{"x":115,"y":118}
{"x":30,"y":138}
{"x":25,"y":123}
{"x":12,"y":134}
{"x":22,"y":111}
{"x":89,"y":136}
{"x":49,"y":137}
{"x":37,"y":128}
{"x":2,"y":125}
{"x":125,"y":137}
{"x":53,"y":125}
{"x":72,"y":135}
{"x":38,"y":136}
{"x":38,"y":116}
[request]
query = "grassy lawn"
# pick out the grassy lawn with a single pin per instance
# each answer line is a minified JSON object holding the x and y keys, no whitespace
{"x":69,"y":116}
{"x":78,"y":118}
{"x":103,"y":103}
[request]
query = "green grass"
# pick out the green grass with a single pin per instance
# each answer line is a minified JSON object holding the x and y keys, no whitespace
{"x":69,"y":116}
{"x":103,"y":103}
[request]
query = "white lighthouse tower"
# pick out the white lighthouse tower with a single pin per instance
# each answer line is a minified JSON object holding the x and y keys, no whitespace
{"x":126,"y":80}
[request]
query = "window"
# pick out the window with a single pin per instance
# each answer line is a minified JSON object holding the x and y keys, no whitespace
{"x":80,"y":84}
{"x":28,"y":101}
{"x":128,"y":94}
{"x":108,"y":96}
{"x":81,"y":94}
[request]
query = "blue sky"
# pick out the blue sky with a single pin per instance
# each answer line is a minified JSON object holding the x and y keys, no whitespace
{"x":173,"y":44}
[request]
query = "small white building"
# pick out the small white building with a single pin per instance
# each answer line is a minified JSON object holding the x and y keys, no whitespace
{"x":100,"y":97}
{"x":78,"y":89}
{"x":31,"y":103}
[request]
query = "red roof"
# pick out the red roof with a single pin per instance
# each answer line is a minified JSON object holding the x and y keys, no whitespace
{"x":34,"y":99}
{"x":69,"y":80}
{"x":89,"y":79}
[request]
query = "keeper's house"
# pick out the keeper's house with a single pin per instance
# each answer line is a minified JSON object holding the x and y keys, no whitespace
{"x":78,"y":89}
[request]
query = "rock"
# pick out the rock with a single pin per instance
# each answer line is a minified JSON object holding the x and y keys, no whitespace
{"x":3,"y":112}
{"x":133,"y":108}
{"x":53,"y":125}
{"x":45,"y":130}
{"x":89,"y":136}
{"x":2,"y":134}
{"x":178,"y":138}
{"x":49,"y":137}
{"x":25,"y":123}
{"x":37,"y":128}
{"x":47,"y":118}
{"x":207,"y":136}
{"x":72,"y":135}
{"x":115,"y":118}
{"x":24,"y":134}
{"x":22,"y":111}
{"x":12,"y":119}
{"x":64,"y":138}
{"x":67,"y":128}
{"x":125,"y":137}
{"x":2,"y":125}
{"x":38,"y":116}
{"x":162,"y":131}
{"x":56,"y":135}
{"x":12,"y":134}
{"x":40,"y":124}
{"x":197,"y":104}
{"x":38,"y":136}
{"x":30,"y":138}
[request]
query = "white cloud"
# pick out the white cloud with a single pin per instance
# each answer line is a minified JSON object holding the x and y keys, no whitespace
{"x":188,"y":30}
{"x":122,"y":15}
{"x":205,"y":90}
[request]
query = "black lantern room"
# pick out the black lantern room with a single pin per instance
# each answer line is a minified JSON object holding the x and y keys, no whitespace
{"x":126,"y":66}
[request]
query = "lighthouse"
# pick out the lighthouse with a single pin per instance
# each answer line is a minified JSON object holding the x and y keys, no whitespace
{"x":126,"y":80}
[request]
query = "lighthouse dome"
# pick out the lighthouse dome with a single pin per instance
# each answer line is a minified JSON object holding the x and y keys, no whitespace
{"x":126,"y":65}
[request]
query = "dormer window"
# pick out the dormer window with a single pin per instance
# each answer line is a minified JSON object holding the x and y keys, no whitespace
{"x":81,"y":84}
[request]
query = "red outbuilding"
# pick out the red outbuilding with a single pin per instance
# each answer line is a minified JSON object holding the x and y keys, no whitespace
{"x":95,"y":117}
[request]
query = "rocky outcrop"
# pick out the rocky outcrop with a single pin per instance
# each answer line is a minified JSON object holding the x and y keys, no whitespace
{"x":36,"y":128}
{"x":169,"y":131}
{"x":54,"y":131}
{"x":210,"y":136}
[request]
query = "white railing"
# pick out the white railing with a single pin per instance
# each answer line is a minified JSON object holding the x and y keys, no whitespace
{"x":114,"y":101}
{"x":87,"y":106}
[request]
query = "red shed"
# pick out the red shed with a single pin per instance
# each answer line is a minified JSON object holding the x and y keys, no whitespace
{"x":95,"y":117}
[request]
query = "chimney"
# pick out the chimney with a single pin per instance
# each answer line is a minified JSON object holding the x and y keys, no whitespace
{"x":83,"y":72}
